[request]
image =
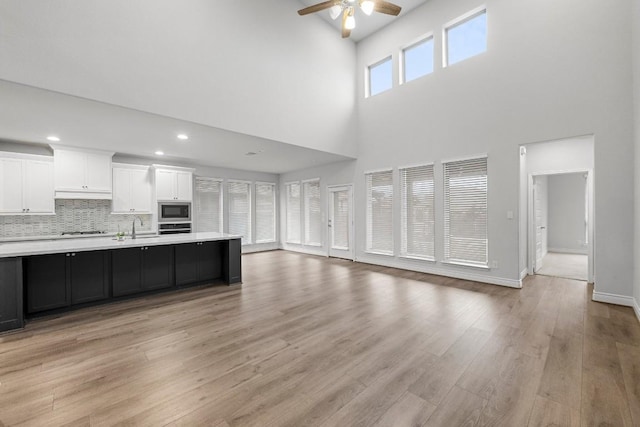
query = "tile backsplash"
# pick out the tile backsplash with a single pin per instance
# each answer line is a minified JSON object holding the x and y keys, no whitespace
{"x":71,"y":215}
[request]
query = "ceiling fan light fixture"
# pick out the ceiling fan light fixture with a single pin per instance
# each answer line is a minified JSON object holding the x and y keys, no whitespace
{"x":367,"y":6}
{"x":335,"y":11}
{"x":350,"y":22}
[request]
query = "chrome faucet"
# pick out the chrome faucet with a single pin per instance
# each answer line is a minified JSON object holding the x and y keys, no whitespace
{"x":133,"y":226}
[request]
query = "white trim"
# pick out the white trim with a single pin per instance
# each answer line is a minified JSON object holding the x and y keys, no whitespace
{"x":368,"y":75}
{"x":417,"y":165}
{"x":20,"y":156}
{"x":453,"y":23}
{"x":351,"y":250}
{"x":265,"y":183}
{"x":524,"y":273}
{"x":464,"y":159}
{"x":466,"y":264}
{"x":305,"y":249}
{"x":72,"y":148}
{"x":291,"y":182}
{"x":259,"y":247}
{"x":636,"y":308}
{"x":304,"y":181}
{"x":425,"y":38}
{"x":613,"y":299}
{"x":130,"y":166}
{"x":174,"y":168}
{"x":417,"y":258}
{"x":241,"y":181}
{"x":430,"y":268}
{"x":568,"y":251}
{"x":390,"y":253}
{"x":371,"y":172}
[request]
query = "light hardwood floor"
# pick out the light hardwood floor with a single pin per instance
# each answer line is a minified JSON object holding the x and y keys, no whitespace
{"x":312,"y":341}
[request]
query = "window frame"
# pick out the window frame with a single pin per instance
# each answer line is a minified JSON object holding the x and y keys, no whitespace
{"x":288,"y":213}
{"x":275,"y":211}
{"x":368,"y":68}
{"x":303,"y":212}
{"x":221,"y":201}
{"x":249,"y":238}
{"x":403,"y":231}
{"x":456,"y":22}
{"x":446,"y":260}
{"x":402,"y":63}
{"x":369,"y":250}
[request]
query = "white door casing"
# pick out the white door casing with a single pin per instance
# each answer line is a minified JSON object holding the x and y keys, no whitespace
{"x":340,"y":222}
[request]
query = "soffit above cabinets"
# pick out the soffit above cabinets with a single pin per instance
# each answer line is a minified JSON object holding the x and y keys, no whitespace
{"x":365,"y":25}
{"x":29,"y":115}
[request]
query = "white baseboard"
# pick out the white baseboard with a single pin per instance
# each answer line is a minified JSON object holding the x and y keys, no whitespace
{"x":523,"y":274}
{"x":430,"y":267}
{"x":259,"y":247}
{"x":568,"y":251}
{"x":613,"y":299}
{"x":309,"y":250}
{"x":636,"y":308}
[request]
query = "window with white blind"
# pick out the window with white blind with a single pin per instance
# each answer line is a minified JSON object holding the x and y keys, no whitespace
{"x":208,"y":204}
{"x":380,"y":212}
{"x":293,"y":212}
{"x":418,"y":212}
{"x":265,"y":212}
{"x":312,"y":213}
{"x":465,"y":212}
{"x":239,"y":197}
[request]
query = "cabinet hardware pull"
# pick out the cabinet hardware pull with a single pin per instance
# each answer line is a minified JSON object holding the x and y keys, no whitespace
{"x":68,"y":254}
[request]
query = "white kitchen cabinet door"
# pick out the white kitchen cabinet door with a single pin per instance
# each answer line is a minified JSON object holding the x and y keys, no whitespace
{"x":38,"y":193}
{"x":166,"y":183}
{"x":140,"y":191}
{"x":184,"y":186}
{"x":131,"y":190}
{"x":70,"y":167}
{"x":98,"y":172}
{"x":11,"y":186}
{"x":121,"y":190}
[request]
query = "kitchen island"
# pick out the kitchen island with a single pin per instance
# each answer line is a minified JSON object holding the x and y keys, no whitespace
{"x":49,"y":276}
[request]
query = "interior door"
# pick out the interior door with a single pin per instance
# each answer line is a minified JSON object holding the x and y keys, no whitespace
{"x":340,"y":222}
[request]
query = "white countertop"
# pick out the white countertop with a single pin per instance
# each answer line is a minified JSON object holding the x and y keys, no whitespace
{"x":42,"y":247}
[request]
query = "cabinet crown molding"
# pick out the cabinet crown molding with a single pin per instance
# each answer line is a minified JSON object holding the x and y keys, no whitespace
{"x":24,"y":156}
{"x":85,"y":150}
{"x":174,"y":168}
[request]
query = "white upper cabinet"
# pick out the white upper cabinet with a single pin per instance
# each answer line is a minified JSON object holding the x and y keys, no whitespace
{"x":174,"y":184}
{"x":131,"y":189}
{"x":82,"y":174}
{"x":26,"y":184}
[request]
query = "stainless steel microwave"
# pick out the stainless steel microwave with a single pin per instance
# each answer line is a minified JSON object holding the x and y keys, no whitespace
{"x":174,"y":211}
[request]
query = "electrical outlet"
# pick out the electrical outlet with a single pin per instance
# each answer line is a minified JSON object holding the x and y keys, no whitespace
{"x":494,"y":264}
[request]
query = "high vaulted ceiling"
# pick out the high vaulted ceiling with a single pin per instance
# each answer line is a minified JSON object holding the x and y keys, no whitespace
{"x":365,"y":25}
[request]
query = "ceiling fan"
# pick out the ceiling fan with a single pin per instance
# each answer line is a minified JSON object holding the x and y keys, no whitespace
{"x":346,"y":8}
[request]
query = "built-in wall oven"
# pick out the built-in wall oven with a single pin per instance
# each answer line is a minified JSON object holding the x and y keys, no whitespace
{"x":174,"y":212}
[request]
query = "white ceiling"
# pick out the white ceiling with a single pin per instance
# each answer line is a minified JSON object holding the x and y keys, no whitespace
{"x":365,"y":25}
{"x":29,"y":115}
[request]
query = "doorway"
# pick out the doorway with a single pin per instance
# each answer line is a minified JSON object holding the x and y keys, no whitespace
{"x":561,"y":229}
{"x":340,"y":221}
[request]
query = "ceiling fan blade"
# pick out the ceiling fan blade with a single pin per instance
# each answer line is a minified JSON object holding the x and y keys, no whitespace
{"x":386,"y":7}
{"x":317,"y":7}
{"x":345,"y":31}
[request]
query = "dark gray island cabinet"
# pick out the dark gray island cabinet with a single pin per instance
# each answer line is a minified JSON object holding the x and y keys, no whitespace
{"x":44,"y":279}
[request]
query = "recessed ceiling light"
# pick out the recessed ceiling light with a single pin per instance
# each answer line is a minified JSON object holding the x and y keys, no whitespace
{"x":183,"y":137}
{"x":53,"y":138}
{"x":250,"y":153}
{"x":159,"y":153}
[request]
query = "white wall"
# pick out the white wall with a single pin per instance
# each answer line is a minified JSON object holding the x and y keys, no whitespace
{"x":552,"y":70}
{"x":253,"y":67}
{"x":566,"y":218}
{"x":636,"y":74}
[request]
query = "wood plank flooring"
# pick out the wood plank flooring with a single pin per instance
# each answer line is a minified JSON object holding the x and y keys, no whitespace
{"x":309,"y":341}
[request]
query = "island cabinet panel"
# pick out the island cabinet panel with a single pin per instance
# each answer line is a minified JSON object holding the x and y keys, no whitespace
{"x":126,"y":271}
{"x":186,"y":264}
{"x":47,"y":284}
{"x":157,"y":270}
{"x":198,"y":262}
{"x":89,"y":276}
{"x":232,"y":261}
{"x":11,"y":309}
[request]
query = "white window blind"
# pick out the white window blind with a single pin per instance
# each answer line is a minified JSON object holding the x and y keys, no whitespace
{"x":312,"y":214}
{"x":380,"y":212}
{"x":240,"y":209}
{"x":265,"y":212}
{"x":208,"y":204}
{"x":418,"y":212}
{"x":293,"y":212}
{"x":465,"y":212}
